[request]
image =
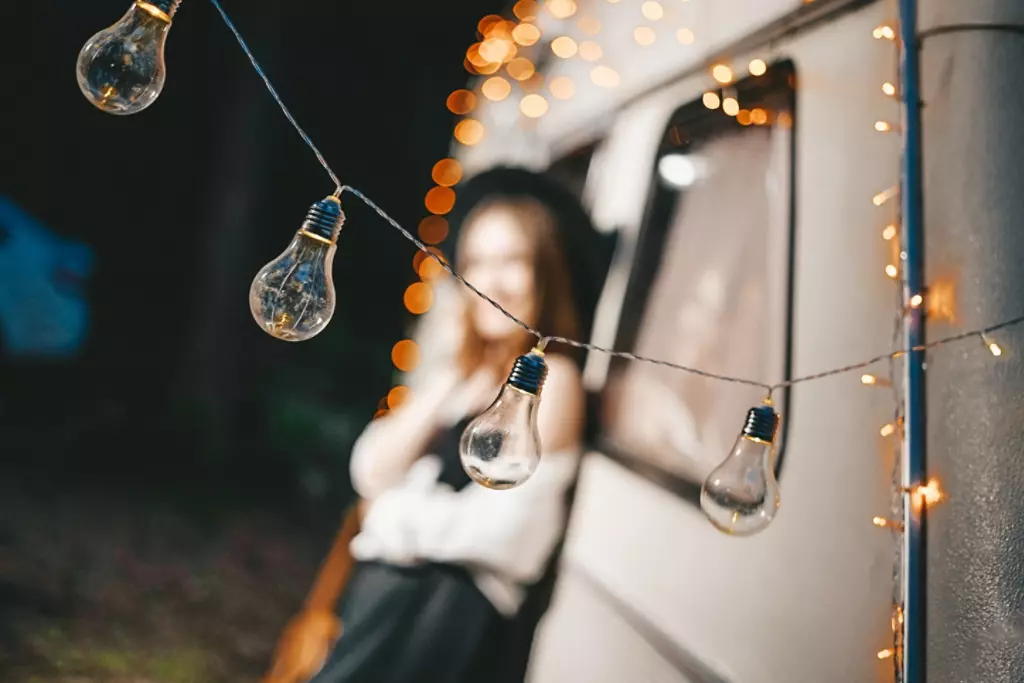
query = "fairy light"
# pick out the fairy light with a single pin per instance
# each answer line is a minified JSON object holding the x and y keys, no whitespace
{"x":685,"y":36}
{"x":562,"y":9}
{"x":652,"y":10}
{"x":711,"y":100}
{"x":758,"y":116}
{"x":930,"y":493}
{"x":892,"y":271}
{"x":721,"y":73}
{"x":888,"y":88}
{"x":887,"y":429}
{"x":886,"y":654}
{"x":564,"y":47}
{"x":731,"y":106}
{"x":496,"y":88}
{"x":757,"y":67}
{"x":883,"y":126}
{"x":533,"y":106}
{"x":887,"y":523}
{"x":884,"y":32}
{"x":526,"y":34}
{"x":916,"y":301}
{"x":889,"y":232}
{"x":644,"y":35}
{"x":885,"y":195}
{"x":992,"y":346}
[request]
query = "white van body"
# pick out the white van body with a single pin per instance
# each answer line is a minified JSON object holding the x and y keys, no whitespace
{"x":648,"y":589}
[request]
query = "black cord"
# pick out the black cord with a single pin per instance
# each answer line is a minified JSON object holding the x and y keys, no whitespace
{"x":969,"y":28}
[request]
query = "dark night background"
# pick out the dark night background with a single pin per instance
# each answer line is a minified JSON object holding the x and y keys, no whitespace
{"x":167,"y":493}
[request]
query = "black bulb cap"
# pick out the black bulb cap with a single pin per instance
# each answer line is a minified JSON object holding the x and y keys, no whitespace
{"x":761,"y":423}
{"x":528,"y":373}
{"x":324,"y":219}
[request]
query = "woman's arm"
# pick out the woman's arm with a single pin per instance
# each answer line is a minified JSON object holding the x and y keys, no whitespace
{"x":384,"y":452}
{"x":512,"y":532}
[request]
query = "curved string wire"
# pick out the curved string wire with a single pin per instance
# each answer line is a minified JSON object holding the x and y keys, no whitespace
{"x":540,"y":336}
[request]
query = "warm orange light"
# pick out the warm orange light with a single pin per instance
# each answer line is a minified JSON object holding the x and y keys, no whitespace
{"x":604,"y":76}
{"x":561,"y":87}
{"x":526,"y":34}
{"x":520,"y":68}
{"x":885,"y":195}
{"x":652,"y":10}
{"x":398,"y":395}
{"x":916,"y":301}
{"x":475,"y":58}
{"x":889,"y":232}
{"x":590,"y":26}
{"x":469,"y":131}
{"x":440,"y":200}
{"x":533,"y":106}
{"x":525,"y":10}
{"x":405,"y":355}
{"x":721,"y":73}
{"x":418,"y":298}
{"x":889,"y":89}
{"x":644,"y":35}
{"x":731,"y":106}
{"x":562,"y":9}
{"x":379,"y":414}
{"x":743,"y":117}
{"x":757,"y":67}
{"x":758,"y":116}
{"x":685,"y":36}
{"x":590,"y":51}
{"x":485,"y":24}
{"x":994,"y":348}
{"x":880,"y":521}
{"x":496,"y":88}
{"x":564,"y":46}
{"x":430,"y":269}
{"x":929,"y":494}
{"x":495,"y":50}
{"x":884,"y":32}
{"x":887,"y":429}
{"x":711,"y":100}
{"x":433,"y":229}
{"x":868,"y":379}
{"x":942,"y":299}
{"x":446,"y":172}
{"x":885,"y":654}
{"x":892,"y":271}
{"x":532,"y":84}
{"x":461,"y":102}
{"x":883,"y":126}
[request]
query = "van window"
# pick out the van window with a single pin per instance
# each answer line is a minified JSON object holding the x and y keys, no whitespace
{"x":710,"y":285}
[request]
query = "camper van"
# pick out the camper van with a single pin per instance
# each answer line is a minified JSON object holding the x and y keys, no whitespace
{"x":748,"y":217}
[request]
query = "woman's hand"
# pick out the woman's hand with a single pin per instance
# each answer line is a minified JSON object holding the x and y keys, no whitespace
{"x":304,"y":646}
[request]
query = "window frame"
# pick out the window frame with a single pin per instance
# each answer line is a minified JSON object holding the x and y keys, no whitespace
{"x":655,"y":227}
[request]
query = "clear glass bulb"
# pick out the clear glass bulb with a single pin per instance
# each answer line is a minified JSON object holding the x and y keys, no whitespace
{"x":121,"y":69}
{"x":500,"y":449}
{"x":292,"y":297}
{"x":741,"y":495}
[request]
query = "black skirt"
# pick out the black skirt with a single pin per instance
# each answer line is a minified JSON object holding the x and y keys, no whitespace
{"x":425,"y":624}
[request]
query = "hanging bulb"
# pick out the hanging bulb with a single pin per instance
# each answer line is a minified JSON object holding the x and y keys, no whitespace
{"x":292,"y":297}
{"x":741,"y":496}
{"x":121,"y":69}
{"x":500,"y":449}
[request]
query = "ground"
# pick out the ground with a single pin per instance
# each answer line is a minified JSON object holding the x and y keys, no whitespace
{"x":101,"y":587}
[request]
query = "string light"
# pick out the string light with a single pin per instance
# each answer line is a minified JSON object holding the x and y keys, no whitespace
{"x":757,"y":67}
{"x":741,"y":496}
{"x":121,"y":69}
{"x":758,"y":116}
{"x":525,"y":10}
{"x":884,"y":32}
{"x":644,"y":35}
{"x":652,"y":10}
{"x":887,"y":523}
{"x":685,"y":36}
{"x":993,"y":347}
{"x":562,"y":9}
{"x":889,"y":232}
{"x":526,"y":34}
{"x":886,"y":654}
{"x":721,"y":73}
{"x":711,"y":100}
{"x":533,"y":106}
{"x":916,"y":301}
{"x":564,"y":46}
{"x":883,"y":126}
{"x":496,"y":88}
{"x":889,"y":89}
{"x":520,"y":68}
{"x":440,"y":200}
{"x":469,"y":131}
{"x":885,"y":195}
{"x":731,"y":106}
{"x":892,"y":271}
{"x":887,"y":429}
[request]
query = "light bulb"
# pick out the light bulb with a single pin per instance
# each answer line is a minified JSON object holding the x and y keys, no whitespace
{"x":500,"y":449}
{"x":741,"y":495}
{"x":121,"y":69}
{"x":292,"y":297}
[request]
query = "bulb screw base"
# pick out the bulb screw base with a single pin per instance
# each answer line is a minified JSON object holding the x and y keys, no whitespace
{"x":324,"y":219}
{"x":762,"y":421}
{"x":165,"y":8}
{"x":528,"y":374}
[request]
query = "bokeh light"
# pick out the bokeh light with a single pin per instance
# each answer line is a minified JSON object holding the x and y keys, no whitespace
{"x":418,"y":298}
{"x":743,"y":117}
{"x":564,"y":46}
{"x":520,"y":68}
{"x":461,"y":102}
{"x":590,"y":26}
{"x":525,"y":10}
{"x":406,"y":355}
{"x":757,"y":67}
{"x":433,"y":229}
{"x":398,"y":395}
{"x":533,"y":106}
{"x":495,"y":50}
{"x":758,"y":116}
{"x":496,"y":88}
{"x":532,"y":84}
{"x":484,"y":25}
{"x":652,"y":10}
{"x":446,"y":172}
{"x":644,"y":35}
{"x":561,"y":87}
{"x":430,"y":269}
{"x":711,"y":100}
{"x":440,"y":200}
{"x":469,"y":131}
{"x":590,"y":51}
{"x":731,"y":106}
{"x":685,"y":36}
{"x":562,"y":9}
{"x":604,"y":76}
{"x":721,"y":73}
{"x":526,"y":34}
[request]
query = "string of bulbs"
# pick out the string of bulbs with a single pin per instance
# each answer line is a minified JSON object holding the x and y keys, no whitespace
{"x":121,"y":71}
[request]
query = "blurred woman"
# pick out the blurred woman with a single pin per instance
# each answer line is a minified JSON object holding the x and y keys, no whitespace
{"x":443,"y":565}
